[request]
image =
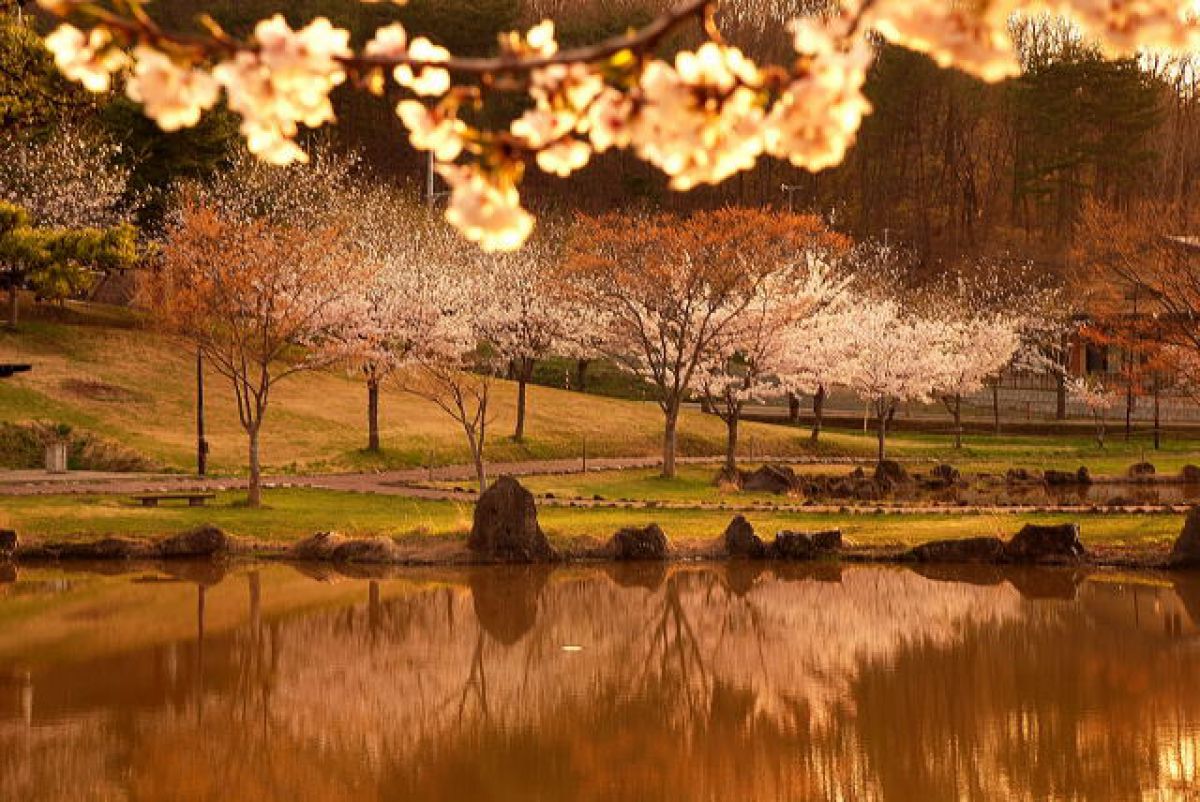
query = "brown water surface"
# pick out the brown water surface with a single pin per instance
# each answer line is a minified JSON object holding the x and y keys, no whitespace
{"x":698,"y":683}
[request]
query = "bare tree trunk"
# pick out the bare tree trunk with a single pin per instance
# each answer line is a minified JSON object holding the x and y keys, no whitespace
{"x":581,"y":368}
{"x":1129,"y":408}
{"x":818,"y":412}
{"x":956,"y":410}
{"x":793,"y":408}
{"x":372,"y":413}
{"x":996,"y":405}
{"x":524,"y":371}
{"x":480,"y":466}
{"x":731,"y":442}
{"x":881,"y":433}
{"x":14,"y":306}
{"x":254,"y":487}
{"x":1157,"y":418}
{"x":1060,"y":408}
{"x":671,"y":421}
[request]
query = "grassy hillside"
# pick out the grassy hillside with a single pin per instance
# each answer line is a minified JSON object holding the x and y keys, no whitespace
{"x":95,"y":369}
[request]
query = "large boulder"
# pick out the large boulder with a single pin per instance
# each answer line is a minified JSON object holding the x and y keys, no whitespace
{"x":8,"y":543}
{"x":963,"y":550}
{"x":1045,"y":543}
{"x":506,"y":525}
{"x":890,"y":473}
{"x":317,"y":548}
{"x":770,"y":479}
{"x":203,"y":541}
{"x":640,"y":543}
{"x":1186,"y":551}
{"x":740,"y":540}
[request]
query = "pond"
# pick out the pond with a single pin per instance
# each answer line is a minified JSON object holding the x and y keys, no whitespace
{"x":683,"y":682}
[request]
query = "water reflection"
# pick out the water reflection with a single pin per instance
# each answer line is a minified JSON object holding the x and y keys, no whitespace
{"x":737,"y":682}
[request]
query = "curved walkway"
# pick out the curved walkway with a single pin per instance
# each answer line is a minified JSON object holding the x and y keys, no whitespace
{"x":414,"y":483}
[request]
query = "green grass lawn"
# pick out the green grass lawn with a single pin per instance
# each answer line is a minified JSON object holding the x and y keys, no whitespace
{"x":294,"y":513}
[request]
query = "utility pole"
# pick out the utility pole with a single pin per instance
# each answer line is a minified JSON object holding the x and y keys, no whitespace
{"x":201,"y":443}
{"x":788,"y":189}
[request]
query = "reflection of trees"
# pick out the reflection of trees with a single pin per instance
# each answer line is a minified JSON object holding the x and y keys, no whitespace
{"x":866,"y":683}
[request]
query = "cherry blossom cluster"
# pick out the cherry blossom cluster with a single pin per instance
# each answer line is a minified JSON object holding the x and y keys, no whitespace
{"x":707,"y":114}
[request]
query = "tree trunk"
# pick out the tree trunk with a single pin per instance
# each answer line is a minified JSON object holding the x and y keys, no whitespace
{"x":818,"y":412}
{"x":480,"y":467}
{"x":372,"y":414}
{"x":881,"y":433}
{"x":958,"y":428}
{"x":1060,"y":406}
{"x":996,"y":405}
{"x":672,"y":419}
{"x":254,"y":487}
{"x":581,"y":367}
{"x":524,"y":371}
{"x":731,"y":442}
{"x":14,"y":306}
{"x":793,"y":408}
{"x":1157,"y":419}
{"x":1128,"y":409}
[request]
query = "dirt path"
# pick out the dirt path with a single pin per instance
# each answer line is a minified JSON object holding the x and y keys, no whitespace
{"x":412,"y":483}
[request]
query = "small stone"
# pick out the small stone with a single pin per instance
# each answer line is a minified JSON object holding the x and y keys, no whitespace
{"x":770,"y":479}
{"x":203,"y":541}
{"x":890,"y":473}
{"x":962,"y":550}
{"x":8,"y":542}
{"x":640,"y":543}
{"x":790,"y":545}
{"x":1190,"y":474}
{"x":366,"y":550}
{"x":317,"y":547}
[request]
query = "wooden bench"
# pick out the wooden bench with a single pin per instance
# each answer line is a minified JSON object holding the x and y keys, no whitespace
{"x":193,"y":499}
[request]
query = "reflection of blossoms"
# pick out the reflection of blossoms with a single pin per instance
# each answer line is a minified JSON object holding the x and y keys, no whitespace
{"x":91,"y":58}
{"x":174,"y":96}
{"x":486,"y":208}
{"x":700,"y":121}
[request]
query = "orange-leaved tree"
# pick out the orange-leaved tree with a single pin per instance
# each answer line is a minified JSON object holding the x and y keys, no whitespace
{"x":667,"y":291}
{"x":254,"y":296}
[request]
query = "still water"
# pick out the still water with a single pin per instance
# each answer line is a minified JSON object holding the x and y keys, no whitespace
{"x":706,"y":683}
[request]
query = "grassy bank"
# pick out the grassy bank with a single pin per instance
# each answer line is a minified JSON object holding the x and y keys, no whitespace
{"x":137,"y":388}
{"x":96,"y":369}
{"x":294,"y":513}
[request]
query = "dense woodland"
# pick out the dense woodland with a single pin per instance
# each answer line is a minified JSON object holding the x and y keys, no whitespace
{"x":950,"y":167}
